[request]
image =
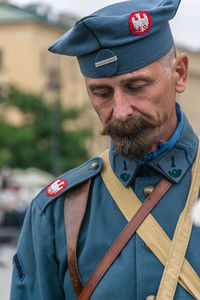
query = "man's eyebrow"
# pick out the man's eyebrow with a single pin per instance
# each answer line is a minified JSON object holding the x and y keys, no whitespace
{"x":137,"y":78}
{"x":93,"y":87}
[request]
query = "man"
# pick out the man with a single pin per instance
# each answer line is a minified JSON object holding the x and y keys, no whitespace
{"x":127,"y":56}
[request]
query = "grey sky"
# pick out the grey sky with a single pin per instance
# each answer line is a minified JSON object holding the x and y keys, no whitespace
{"x":185,"y":26}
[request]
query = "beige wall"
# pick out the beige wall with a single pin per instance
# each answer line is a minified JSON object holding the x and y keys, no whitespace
{"x":26,"y":61}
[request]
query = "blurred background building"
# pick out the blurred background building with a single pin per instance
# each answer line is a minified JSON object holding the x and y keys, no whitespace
{"x":24,"y":59}
{"x":26,"y":34}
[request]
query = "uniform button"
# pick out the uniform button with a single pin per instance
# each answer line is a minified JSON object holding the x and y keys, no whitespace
{"x":95,"y":165}
{"x":148,"y":190}
{"x":151,"y":297}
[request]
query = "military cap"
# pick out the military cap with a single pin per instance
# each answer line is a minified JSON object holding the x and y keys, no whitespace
{"x":120,"y":38}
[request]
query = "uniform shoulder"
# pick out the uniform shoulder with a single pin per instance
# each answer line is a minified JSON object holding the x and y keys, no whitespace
{"x":69,"y":180}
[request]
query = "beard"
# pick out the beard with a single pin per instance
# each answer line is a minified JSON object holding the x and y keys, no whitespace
{"x":132,"y":138}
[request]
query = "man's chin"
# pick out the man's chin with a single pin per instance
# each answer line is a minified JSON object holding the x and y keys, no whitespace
{"x":132,"y":149}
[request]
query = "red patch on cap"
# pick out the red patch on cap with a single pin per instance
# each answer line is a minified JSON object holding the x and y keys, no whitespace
{"x":140,"y":22}
{"x":56,"y":187}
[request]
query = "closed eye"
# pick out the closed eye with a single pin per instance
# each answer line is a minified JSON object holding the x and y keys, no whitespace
{"x":136,"y":88}
{"x":102,"y":92}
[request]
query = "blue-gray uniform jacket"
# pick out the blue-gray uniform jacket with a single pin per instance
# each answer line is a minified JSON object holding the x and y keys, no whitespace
{"x":40,"y":265}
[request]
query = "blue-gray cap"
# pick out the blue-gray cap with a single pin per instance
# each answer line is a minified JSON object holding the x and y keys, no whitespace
{"x":120,"y":38}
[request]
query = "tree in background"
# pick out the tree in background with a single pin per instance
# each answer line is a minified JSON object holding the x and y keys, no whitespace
{"x":40,"y":141}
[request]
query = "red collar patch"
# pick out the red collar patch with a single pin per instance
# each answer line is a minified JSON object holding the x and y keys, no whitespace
{"x":140,"y":22}
{"x":56,"y":187}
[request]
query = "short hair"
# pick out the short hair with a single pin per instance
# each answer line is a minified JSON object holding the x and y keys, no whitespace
{"x":167,"y":60}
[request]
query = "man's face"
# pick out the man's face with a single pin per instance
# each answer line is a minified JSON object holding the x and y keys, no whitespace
{"x":136,"y":109}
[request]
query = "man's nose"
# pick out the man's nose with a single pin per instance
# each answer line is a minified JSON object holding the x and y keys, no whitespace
{"x":122,"y":108}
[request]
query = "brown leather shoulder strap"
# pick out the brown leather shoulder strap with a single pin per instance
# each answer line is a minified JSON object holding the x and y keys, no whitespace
{"x":74,"y":211}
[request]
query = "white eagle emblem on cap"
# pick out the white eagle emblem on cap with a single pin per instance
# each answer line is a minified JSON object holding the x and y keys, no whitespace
{"x":140,"y":22}
{"x":56,"y":187}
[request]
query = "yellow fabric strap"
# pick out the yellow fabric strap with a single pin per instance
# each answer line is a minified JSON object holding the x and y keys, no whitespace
{"x":149,"y":231}
{"x":180,"y":241}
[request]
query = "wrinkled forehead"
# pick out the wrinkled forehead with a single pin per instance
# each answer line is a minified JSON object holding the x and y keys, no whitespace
{"x":147,"y":73}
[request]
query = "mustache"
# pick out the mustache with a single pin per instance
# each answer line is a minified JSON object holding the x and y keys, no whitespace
{"x":131,"y":127}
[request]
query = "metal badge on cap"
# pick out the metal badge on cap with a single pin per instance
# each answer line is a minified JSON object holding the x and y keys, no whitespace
{"x":140,"y":22}
{"x":106,"y":62}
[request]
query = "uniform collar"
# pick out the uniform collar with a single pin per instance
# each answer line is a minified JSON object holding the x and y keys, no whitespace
{"x":173,"y":161}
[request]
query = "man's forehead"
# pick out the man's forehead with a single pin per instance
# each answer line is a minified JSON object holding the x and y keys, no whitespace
{"x":144,"y":74}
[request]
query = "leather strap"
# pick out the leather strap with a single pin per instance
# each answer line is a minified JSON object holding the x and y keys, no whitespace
{"x":124,"y":237}
{"x":74,"y":210}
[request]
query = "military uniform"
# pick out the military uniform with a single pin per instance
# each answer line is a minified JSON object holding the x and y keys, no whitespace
{"x":41,"y":271}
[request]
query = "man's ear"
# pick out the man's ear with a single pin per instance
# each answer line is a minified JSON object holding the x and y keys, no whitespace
{"x":181,"y":70}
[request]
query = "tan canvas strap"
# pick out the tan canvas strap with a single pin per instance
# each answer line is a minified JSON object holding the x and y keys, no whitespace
{"x":149,"y":231}
{"x":180,"y":241}
{"x":124,"y":237}
{"x":74,"y":210}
